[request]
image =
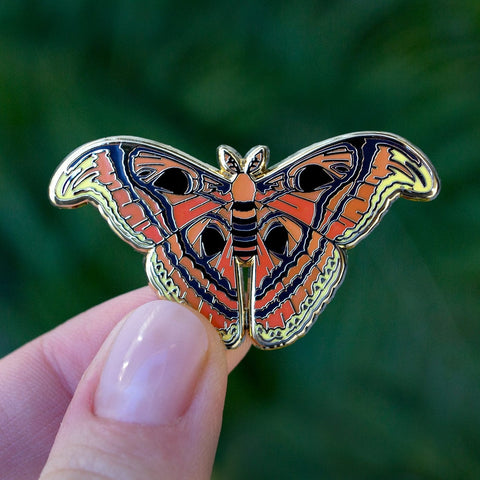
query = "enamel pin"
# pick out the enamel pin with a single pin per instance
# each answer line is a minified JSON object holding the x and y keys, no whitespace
{"x":257,"y":251}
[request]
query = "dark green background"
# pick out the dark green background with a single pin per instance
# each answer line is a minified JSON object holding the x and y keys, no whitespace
{"x":387,"y":383}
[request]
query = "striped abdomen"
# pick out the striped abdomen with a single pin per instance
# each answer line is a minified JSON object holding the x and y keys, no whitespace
{"x":244,"y":217}
{"x":244,"y":229}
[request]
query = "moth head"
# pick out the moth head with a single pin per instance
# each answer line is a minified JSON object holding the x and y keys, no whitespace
{"x":254,"y":162}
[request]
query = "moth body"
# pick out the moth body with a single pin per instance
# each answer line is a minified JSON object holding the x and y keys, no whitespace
{"x":244,"y":218}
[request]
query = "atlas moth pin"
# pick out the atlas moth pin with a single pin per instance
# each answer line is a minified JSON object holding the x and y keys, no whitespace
{"x":257,"y":251}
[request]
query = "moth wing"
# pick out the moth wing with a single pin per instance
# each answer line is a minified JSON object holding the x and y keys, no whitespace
{"x":319,"y":202}
{"x":169,"y":205}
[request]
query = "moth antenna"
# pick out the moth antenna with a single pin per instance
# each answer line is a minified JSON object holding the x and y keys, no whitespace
{"x":257,"y":159}
{"x":229,"y":159}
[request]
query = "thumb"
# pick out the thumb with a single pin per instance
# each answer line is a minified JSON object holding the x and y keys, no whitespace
{"x":150,"y":404}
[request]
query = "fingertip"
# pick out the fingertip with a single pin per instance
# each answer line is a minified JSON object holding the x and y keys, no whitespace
{"x":153,"y":366}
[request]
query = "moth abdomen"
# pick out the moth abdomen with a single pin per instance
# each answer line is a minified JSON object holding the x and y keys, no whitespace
{"x":244,"y":217}
{"x":244,"y":233}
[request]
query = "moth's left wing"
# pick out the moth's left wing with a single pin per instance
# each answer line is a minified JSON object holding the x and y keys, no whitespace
{"x":313,"y":206}
{"x":169,"y":205}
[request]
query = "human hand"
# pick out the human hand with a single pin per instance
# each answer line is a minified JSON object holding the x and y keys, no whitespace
{"x":103,"y":397}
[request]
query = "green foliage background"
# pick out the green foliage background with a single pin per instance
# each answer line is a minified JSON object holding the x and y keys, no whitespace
{"x":387,"y":384}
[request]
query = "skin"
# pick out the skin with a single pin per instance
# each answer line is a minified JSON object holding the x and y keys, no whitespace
{"x":48,"y":418}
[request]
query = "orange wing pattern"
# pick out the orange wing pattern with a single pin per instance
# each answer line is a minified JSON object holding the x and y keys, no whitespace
{"x":169,"y":205}
{"x":252,"y":249}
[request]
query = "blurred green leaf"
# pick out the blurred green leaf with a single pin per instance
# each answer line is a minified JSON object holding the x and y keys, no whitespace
{"x":386,"y":384}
